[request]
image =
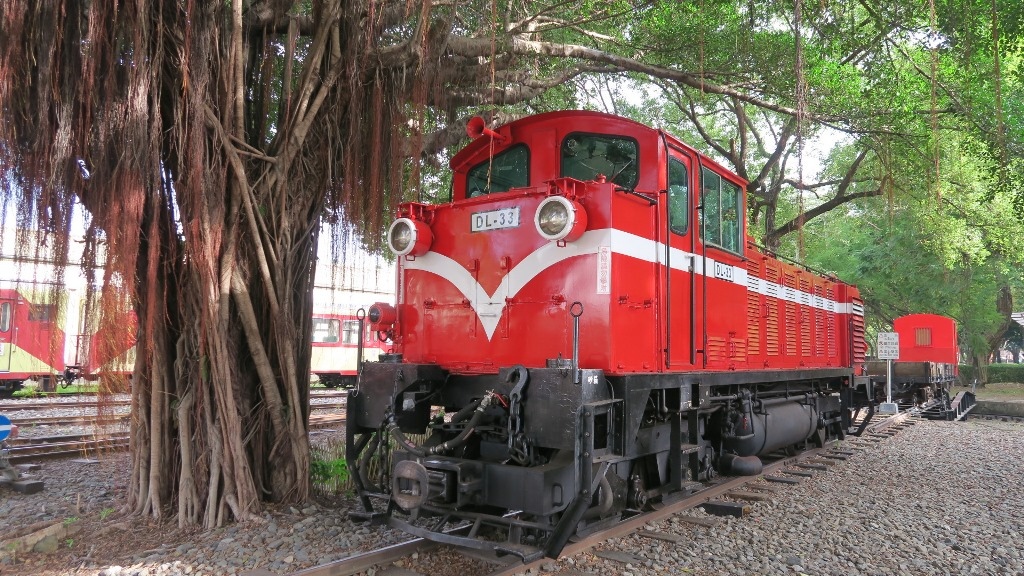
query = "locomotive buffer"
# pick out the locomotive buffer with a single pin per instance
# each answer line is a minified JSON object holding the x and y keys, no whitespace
{"x":888,"y":350}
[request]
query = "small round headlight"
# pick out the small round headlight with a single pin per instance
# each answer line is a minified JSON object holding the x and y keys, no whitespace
{"x":407,"y":236}
{"x":382,"y":315}
{"x":560,"y":219}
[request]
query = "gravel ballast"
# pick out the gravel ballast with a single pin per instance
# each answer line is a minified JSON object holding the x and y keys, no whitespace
{"x":938,"y":498}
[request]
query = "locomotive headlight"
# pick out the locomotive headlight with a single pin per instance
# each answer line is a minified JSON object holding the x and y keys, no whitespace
{"x":382,"y":315}
{"x":560,"y":219}
{"x":407,"y":236}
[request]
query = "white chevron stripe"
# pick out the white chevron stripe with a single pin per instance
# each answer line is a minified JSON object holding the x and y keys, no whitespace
{"x":489,"y":307}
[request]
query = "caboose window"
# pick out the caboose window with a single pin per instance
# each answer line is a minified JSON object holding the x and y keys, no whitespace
{"x":5,"y":317}
{"x":510,"y":169}
{"x":723,"y":208}
{"x":326,"y":330}
{"x":923,"y":336}
{"x":678,"y":196}
{"x":584,"y":156}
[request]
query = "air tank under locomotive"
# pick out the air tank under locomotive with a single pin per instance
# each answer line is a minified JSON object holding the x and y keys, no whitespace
{"x":585,"y":329}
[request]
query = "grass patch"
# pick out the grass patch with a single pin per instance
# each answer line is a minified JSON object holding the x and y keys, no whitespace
{"x":1001,"y":391}
{"x":78,"y":388}
{"x":328,"y":469}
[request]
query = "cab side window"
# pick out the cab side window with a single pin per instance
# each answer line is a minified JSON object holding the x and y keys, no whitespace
{"x":678,"y":196}
{"x":723,"y":208}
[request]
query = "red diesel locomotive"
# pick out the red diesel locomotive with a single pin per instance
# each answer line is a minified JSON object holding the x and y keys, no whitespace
{"x":582,"y":331}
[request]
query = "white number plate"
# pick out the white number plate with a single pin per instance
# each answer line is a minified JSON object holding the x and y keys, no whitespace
{"x":723,"y":271}
{"x":494,"y":220}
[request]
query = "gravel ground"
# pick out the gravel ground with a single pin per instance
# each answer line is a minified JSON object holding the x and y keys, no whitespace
{"x":938,"y":498}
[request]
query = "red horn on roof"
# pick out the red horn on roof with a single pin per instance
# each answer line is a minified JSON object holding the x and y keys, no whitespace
{"x":476,"y":127}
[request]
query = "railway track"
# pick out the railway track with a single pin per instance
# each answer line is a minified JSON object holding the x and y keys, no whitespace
{"x":784,"y":470}
{"x":25,"y":449}
{"x":37,"y":406}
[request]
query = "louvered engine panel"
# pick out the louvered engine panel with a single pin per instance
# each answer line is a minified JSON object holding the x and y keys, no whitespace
{"x":791,"y":332}
{"x":805,"y":317}
{"x":771,"y":304}
{"x":755,"y":309}
{"x":820,"y":328}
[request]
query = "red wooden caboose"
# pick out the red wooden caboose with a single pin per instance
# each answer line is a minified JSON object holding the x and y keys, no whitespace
{"x":928,"y":338}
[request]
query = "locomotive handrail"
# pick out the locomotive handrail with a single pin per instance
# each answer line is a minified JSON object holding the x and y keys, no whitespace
{"x":631,"y":192}
{"x":806,"y":267}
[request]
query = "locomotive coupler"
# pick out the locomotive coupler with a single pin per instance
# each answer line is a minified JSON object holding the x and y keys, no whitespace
{"x":518,"y":448}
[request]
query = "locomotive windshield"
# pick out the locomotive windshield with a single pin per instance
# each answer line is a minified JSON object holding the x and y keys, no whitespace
{"x":584,"y":156}
{"x":509,"y":169}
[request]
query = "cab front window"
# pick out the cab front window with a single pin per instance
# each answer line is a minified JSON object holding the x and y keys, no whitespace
{"x":509,"y":169}
{"x":585,"y":156}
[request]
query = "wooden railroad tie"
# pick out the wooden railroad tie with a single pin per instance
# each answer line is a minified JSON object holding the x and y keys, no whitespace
{"x":811,"y":466}
{"x":725,"y":508}
{"x":782,"y":479}
{"x":699,"y":521}
{"x":751,"y":496}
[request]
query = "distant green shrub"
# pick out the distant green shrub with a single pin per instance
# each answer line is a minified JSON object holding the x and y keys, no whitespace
{"x":996,"y":373}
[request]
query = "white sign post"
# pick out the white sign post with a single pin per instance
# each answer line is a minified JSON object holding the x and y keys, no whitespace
{"x":888,"y":350}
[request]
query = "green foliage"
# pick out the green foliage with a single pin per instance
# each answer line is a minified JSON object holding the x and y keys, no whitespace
{"x":106,"y":512}
{"x":996,"y":373}
{"x":325,"y":471}
{"x":328,"y":469}
{"x":77,"y":388}
{"x":30,"y":389}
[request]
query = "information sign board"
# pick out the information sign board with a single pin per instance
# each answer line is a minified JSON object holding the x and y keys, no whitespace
{"x":888,"y":346}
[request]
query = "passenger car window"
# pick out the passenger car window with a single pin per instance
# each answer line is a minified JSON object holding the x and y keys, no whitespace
{"x":5,"y":317}
{"x":350,"y":332}
{"x":723,"y":208}
{"x":584,"y":156}
{"x":325,"y":330}
{"x":509,"y":169}
{"x":678,"y":196}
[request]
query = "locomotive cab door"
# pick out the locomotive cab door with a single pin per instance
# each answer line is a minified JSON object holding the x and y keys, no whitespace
{"x":6,"y":333}
{"x":723,"y":283}
{"x":680,"y":310}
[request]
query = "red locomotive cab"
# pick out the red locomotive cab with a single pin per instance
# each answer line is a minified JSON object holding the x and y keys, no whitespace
{"x":648,"y":235}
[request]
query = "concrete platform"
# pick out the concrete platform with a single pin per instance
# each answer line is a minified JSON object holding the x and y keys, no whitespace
{"x":1000,"y":407}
